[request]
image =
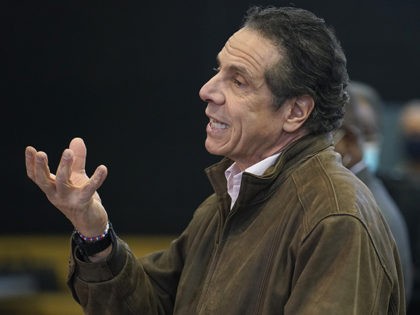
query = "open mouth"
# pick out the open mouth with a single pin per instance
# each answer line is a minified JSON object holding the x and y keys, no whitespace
{"x":215,"y":124}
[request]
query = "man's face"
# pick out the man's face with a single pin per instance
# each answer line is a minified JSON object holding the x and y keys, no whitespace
{"x":244,"y":123}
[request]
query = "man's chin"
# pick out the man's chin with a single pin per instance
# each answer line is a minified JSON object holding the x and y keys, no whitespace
{"x":213,"y":149}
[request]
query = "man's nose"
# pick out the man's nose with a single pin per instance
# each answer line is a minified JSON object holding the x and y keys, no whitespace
{"x":212,"y":91}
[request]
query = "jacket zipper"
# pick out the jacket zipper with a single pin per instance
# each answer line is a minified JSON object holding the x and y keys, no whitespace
{"x":215,"y":259}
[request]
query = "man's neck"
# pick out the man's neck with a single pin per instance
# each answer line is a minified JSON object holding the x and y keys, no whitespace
{"x":286,"y":139}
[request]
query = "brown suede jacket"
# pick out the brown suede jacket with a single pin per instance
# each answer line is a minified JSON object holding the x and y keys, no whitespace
{"x":304,"y":238}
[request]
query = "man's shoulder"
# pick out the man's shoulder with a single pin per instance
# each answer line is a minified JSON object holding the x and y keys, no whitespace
{"x":322,"y":178}
{"x":326,"y":188}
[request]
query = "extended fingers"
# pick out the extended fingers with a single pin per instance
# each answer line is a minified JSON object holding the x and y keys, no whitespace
{"x":38,"y":170}
{"x":30,"y":153}
{"x":70,"y":185}
{"x":62,"y":177}
{"x":95,"y":181}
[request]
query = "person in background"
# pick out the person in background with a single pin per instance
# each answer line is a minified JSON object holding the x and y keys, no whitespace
{"x":403,"y":183}
{"x":370,"y":106}
{"x":288,"y":230}
{"x":360,"y":123}
{"x":410,"y":132}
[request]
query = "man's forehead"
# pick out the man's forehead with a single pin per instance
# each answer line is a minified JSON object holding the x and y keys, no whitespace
{"x":250,"y":43}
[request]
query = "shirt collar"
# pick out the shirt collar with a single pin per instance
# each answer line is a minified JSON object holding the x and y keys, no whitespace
{"x":233,"y":175}
{"x":260,"y":167}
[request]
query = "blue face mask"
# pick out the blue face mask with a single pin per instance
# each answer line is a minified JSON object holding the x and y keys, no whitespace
{"x":371,"y":155}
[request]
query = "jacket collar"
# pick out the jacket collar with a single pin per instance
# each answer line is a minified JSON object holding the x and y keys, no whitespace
{"x":255,"y":189}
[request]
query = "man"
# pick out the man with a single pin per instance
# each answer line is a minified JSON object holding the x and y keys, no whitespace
{"x":359,"y":119}
{"x":369,"y":106}
{"x":410,"y":132}
{"x":289,"y":230}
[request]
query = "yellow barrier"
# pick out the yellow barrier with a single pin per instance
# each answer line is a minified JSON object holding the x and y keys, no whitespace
{"x":50,"y":253}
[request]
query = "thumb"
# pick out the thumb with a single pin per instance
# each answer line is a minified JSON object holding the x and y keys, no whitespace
{"x":78,"y":147}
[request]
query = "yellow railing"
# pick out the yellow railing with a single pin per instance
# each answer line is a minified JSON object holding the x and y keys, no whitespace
{"x":50,"y":253}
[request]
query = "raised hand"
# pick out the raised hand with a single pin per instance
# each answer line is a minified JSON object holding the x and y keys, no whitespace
{"x":70,"y":190}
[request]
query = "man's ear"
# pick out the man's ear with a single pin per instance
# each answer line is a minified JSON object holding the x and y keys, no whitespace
{"x":300,"y":109}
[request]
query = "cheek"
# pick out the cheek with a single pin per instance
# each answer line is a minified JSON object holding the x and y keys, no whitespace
{"x":248,"y":134}
{"x":248,"y":118}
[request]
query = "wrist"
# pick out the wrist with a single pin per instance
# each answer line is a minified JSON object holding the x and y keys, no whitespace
{"x":89,"y":246}
{"x":95,"y":238}
{"x":92,"y":230}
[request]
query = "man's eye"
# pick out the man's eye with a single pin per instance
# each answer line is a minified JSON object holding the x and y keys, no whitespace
{"x":237,"y":82}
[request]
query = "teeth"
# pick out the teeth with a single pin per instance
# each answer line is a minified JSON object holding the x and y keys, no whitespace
{"x":217,"y":124}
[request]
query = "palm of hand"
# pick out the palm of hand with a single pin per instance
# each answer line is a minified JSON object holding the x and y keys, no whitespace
{"x":71,"y":190}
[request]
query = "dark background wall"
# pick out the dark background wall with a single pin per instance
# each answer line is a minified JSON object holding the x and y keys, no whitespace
{"x":125,"y":76}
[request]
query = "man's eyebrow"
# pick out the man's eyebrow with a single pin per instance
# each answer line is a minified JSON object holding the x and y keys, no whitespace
{"x":236,"y":68}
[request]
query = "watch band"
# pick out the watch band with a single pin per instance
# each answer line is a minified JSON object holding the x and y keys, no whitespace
{"x":90,"y":248}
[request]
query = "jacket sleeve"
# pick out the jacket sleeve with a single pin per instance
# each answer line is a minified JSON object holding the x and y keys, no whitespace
{"x":338,"y":271}
{"x":125,"y":285}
